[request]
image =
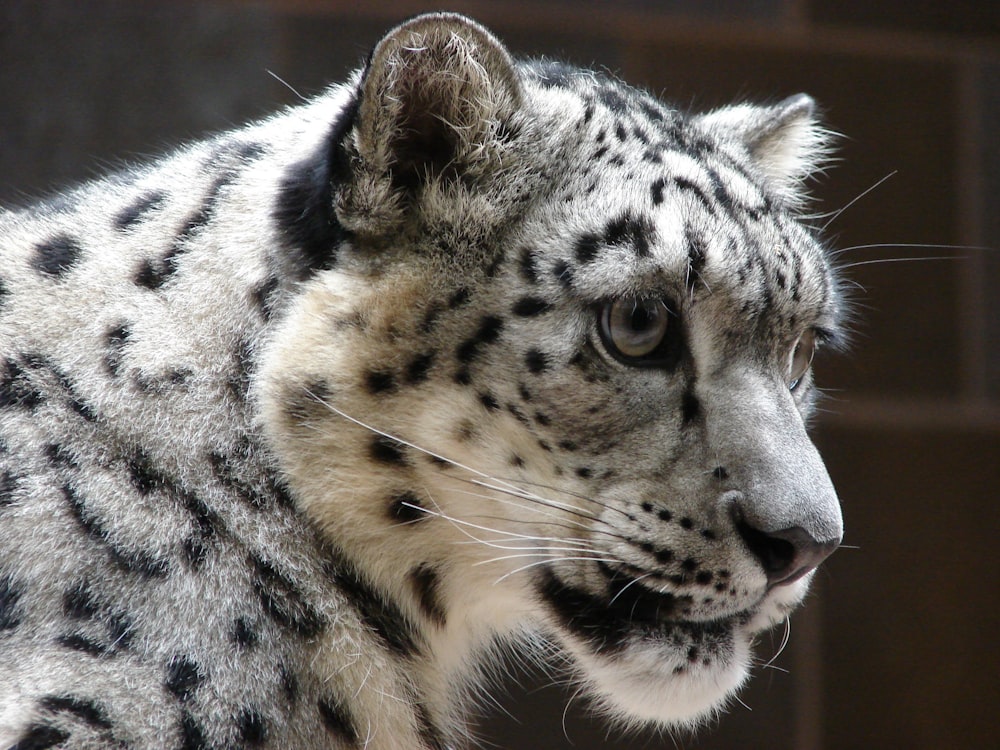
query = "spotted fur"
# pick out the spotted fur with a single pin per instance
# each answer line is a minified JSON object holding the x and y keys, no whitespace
{"x":299,"y":423}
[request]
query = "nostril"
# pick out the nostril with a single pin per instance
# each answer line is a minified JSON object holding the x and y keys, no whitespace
{"x":786,"y":555}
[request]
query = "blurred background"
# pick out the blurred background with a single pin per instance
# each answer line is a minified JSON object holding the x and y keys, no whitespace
{"x":898,"y":646}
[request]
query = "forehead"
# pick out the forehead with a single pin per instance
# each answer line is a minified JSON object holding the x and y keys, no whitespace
{"x":643,"y":202}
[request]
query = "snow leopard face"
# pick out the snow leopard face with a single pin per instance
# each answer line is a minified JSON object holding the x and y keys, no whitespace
{"x":560,"y":372}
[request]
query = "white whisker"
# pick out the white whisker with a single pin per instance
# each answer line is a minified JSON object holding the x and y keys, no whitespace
{"x":859,"y":196}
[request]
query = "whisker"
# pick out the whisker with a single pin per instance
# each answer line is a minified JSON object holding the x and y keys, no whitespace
{"x":911,"y":245}
{"x":531,"y":508}
{"x":546,"y":562}
{"x":630,"y":583}
{"x":576,"y":495}
{"x":550,"y":556}
{"x":855,"y":199}
{"x":568,"y":524}
{"x":785,"y":638}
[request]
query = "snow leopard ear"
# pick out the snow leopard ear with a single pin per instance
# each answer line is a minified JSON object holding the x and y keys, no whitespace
{"x":436,"y":106}
{"x":785,"y":140}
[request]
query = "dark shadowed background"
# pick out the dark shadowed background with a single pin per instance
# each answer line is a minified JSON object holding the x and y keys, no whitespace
{"x":898,"y":647}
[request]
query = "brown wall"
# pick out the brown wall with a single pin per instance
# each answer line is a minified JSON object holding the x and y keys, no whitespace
{"x":898,"y":647}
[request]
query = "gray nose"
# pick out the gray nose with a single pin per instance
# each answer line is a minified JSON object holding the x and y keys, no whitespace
{"x":786,"y":555}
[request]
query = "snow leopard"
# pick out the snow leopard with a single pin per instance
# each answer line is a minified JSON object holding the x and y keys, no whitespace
{"x":303,"y":424}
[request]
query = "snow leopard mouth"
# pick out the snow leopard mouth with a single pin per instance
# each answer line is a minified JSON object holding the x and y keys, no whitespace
{"x":609,"y":621}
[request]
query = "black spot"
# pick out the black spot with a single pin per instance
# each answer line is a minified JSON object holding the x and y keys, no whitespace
{"x":145,"y":477}
{"x":419,"y":368}
{"x":115,"y":340}
{"x":536,"y":361}
{"x":526,"y":266}
{"x":704,"y":577}
{"x":183,"y":677}
{"x":584,"y":472}
{"x":586,"y":248}
{"x":488,"y":401}
{"x":120,"y":630}
{"x":77,"y":642}
{"x":79,"y":406}
{"x":251,"y":726}
{"x":530,"y":306}
{"x":79,"y":602}
{"x":620,"y":133}
{"x":459,"y":297}
{"x":16,"y":388}
{"x":282,"y":600}
{"x":289,"y":684}
{"x":430,"y":318}
{"x":140,"y":563}
{"x":488,"y":332}
{"x":83,"y":709}
{"x":463,"y":376}
{"x":238,"y":381}
{"x":40,"y":737}
{"x":690,"y":407}
{"x":263,"y":296}
{"x":518,"y":415}
{"x":719,"y":472}
{"x":656,"y":190}
{"x":542,"y":418}
{"x":629,"y":230}
{"x":719,"y":190}
{"x":192,"y":735}
{"x":387,"y":450}
{"x":563,"y":273}
{"x":57,"y":256}
{"x":427,"y":585}
{"x":379,"y":381}
{"x":664,"y":515}
{"x":686,"y":186}
{"x":10,"y":595}
{"x":568,"y":445}
{"x":150,"y":275}
{"x":8,"y":485}
{"x":405,"y":507}
{"x":466,"y":430}
{"x":244,"y":635}
{"x":154,"y":274}
{"x":138,"y":211}
{"x":3,"y":291}
{"x":337,"y":719}
{"x":375,"y":607}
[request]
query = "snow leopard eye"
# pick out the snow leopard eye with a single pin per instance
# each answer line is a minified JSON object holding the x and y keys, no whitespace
{"x":800,"y":358}
{"x":634,"y":330}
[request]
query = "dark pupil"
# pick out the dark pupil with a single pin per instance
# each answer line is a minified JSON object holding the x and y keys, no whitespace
{"x":642,"y":318}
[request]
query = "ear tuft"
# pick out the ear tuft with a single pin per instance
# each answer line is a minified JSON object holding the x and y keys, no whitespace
{"x":785,"y":141}
{"x":437,"y":103}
